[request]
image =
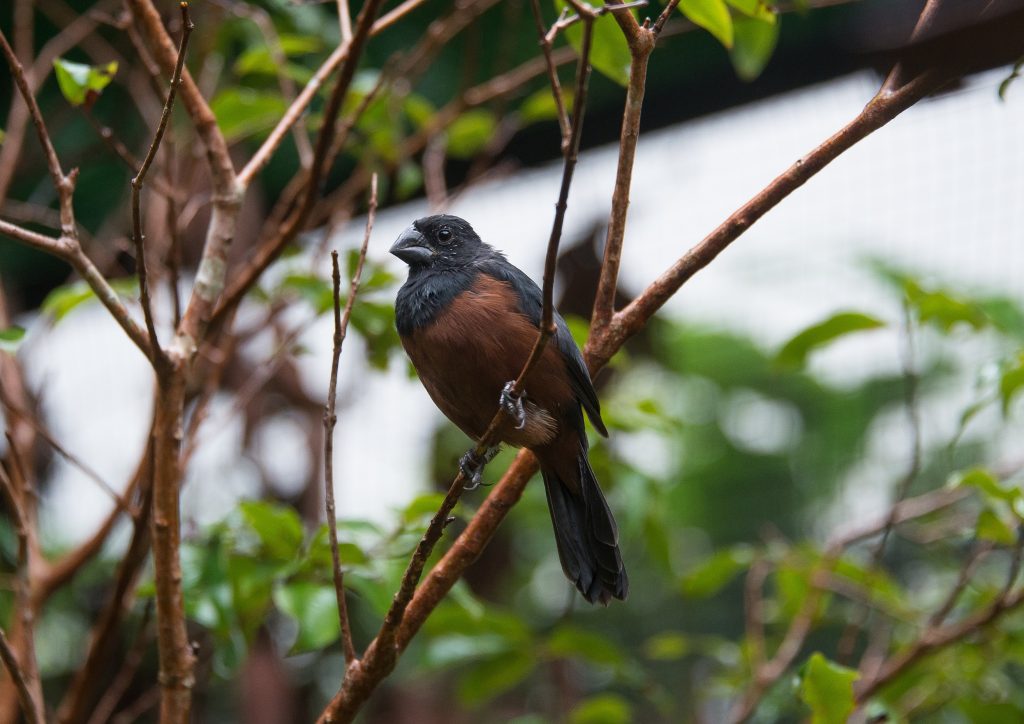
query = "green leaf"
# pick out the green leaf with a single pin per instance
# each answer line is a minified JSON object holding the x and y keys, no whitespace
{"x":62,"y":300}
{"x":794,"y":353}
{"x":3,"y":135}
{"x":609,"y":51}
{"x":1010,"y":383}
{"x":987,"y":484}
{"x":716,"y":572}
{"x":541,"y":106}
{"x":419,"y":110}
{"x":409,"y":181}
{"x":470,"y":132}
{"x":827,"y":688}
{"x":757,"y":9}
{"x":492,"y":677}
{"x":602,"y":709}
{"x":942,"y":309}
{"x":81,"y":84}
{"x":315,"y":608}
{"x":667,"y":646}
{"x":572,"y":642}
{"x":753,"y":45}
{"x":10,"y":338}
{"x":712,"y":15}
{"x":278,"y":527}
{"x":991,"y":527}
{"x":376,"y":322}
{"x":422,"y":506}
{"x":243,"y":112}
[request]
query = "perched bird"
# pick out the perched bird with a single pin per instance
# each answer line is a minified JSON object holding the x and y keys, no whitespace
{"x":468,"y":320}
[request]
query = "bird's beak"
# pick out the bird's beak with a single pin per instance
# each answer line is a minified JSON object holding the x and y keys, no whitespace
{"x":412,"y":248}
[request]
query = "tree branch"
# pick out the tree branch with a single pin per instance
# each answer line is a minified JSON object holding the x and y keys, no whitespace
{"x":156,"y":353}
{"x":331,"y":419}
{"x":28,"y":705}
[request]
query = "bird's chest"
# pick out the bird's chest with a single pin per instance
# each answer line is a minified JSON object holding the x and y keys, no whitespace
{"x":467,"y":353}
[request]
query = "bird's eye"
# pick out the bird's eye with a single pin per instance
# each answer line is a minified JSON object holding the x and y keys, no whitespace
{"x":444,"y":234}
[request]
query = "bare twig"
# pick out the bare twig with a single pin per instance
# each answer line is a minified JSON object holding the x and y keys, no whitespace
{"x":331,"y":419}
{"x":28,"y":705}
{"x":546,"y":43}
{"x":157,"y":356}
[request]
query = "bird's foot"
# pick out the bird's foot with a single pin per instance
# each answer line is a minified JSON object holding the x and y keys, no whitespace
{"x":472,"y":466}
{"x":512,"y":404}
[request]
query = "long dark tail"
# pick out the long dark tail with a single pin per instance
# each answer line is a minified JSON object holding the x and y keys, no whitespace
{"x":586,"y":534}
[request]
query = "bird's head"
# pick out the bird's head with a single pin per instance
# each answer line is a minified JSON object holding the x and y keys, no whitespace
{"x":438,"y":242}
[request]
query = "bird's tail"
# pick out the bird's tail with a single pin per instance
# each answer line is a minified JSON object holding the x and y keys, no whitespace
{"x":586,"y":534}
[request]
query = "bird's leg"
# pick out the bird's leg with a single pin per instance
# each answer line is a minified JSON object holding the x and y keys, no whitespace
{"x":472,"y":466}
{"x":512,"y":404}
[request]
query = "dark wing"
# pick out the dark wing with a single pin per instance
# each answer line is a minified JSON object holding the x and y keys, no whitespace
{"x":531,"y":304}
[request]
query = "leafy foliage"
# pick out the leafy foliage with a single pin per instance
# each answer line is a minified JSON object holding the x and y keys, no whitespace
{"x":82,"y":84}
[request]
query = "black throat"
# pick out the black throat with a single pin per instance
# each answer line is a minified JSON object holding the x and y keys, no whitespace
{"x":428,"y":291}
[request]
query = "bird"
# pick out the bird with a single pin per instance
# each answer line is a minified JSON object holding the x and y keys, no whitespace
{"x":468,"y":319}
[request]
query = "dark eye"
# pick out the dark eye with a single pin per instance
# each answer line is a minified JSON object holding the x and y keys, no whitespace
{"x":444,"y":234}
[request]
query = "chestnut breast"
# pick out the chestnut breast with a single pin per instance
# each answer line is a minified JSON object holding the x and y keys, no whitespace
{"x":473,"y":347}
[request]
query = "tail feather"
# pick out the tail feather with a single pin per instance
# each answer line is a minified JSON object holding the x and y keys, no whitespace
{"x":586,"y":535}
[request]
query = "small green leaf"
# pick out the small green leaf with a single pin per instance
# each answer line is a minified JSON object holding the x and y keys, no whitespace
{"x":1010,"y":383}
{"x":470,"y":132}
{"x":795,"y":352}
{"x":81,"y":84}
{"x":409,"y":180}
{"x":827,"y":688}
{"x":63,"y":299}
{"x":716,"y":572}
{"x":422,"y":506}
{"x":712,"y":15}
{"x":757,"y":9}
{"x":541,"y":106}
{"x":243,"y":112}
{"x":609,"y":52}
{"x":572,"y":642}
{"x":602,"y":709}
{"x":987,"y":484}
{"x":10,"y":338}
{"x":942,"y":309}
{"x":667,"y":646}
{"x":3,"y":135}
{"x":315,"y":608}
{"x":991,"y":527}
{"x":318,"y":292}
{"x":753,"y":45}
{"x":419,"y":110}
{"x":277,"y":526}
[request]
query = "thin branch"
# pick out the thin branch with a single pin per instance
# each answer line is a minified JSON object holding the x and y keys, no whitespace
{"x":64,"y":185}
{"x":344,"y":21}
{"x":157,"y":356}
{"x":556,"y":87}
{"x":640,"y":47}
{"x":331,"y":419}
{"x":28,"y":704}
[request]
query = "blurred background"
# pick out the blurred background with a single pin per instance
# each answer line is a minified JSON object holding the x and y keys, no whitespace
{"x":865,"y":334}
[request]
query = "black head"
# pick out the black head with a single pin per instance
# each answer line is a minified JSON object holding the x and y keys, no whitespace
{"x":438,"y":242}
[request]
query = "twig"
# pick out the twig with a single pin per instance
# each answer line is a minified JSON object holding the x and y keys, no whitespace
{"x":848,"y":639}
{"x":344,"y":21}
{"x":546,"y":43}
{"x":129,"y":668}
{"x":331,"y":419}
{"x":28,"y":704}
{"x":379,"y":660}
{"x":157,"y":356}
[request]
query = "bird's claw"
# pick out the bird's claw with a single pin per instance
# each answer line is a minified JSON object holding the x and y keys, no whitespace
{"x":512,"y":404}
{"x":472,"y":467}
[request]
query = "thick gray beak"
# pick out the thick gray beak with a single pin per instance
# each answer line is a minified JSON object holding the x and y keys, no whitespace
{"x":412,"y":248}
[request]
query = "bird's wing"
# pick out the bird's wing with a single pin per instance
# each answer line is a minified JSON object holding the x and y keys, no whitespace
{"x":531,"y":304}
